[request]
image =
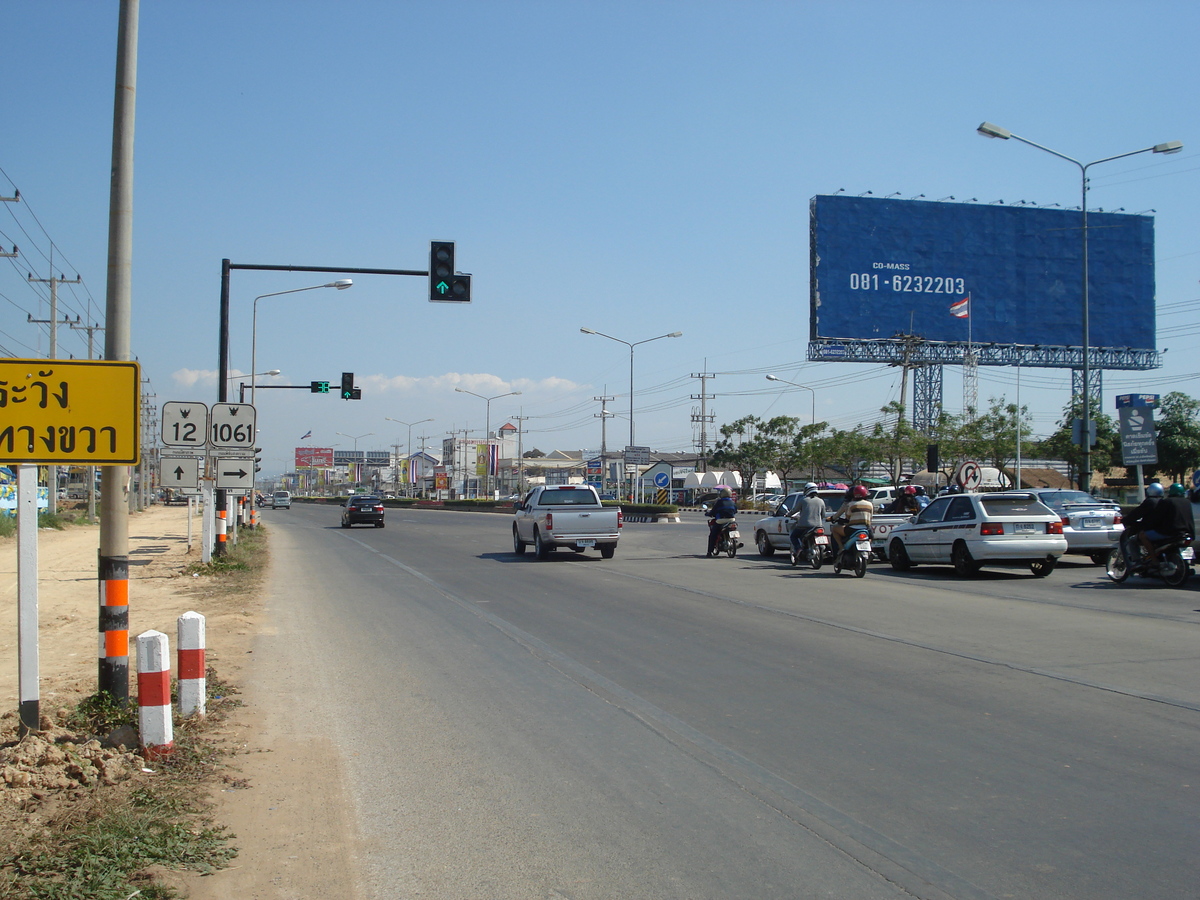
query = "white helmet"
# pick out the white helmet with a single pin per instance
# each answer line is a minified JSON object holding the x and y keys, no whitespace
{"x":810,"y":489}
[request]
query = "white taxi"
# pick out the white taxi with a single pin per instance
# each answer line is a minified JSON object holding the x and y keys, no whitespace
{"x":968,"y":531}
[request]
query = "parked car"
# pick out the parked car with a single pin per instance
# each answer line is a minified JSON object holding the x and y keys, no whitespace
{"x":1091,"y":526}
{"x":362,"y":510}
{"x":968,"y":531}
{"x":281,"y":500}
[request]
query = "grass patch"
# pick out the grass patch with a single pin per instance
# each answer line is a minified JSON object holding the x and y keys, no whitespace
{"x":114,"y":841}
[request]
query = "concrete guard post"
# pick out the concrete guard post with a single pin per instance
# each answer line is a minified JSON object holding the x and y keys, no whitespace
{"x":154,"y":694}
{"x":192,"y":674}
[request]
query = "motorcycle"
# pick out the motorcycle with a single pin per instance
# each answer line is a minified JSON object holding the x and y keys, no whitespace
{"x":855,"y":551}
{"x":1173,"y":563}
{"x":814,"y":547}
{"x":728,"y":540}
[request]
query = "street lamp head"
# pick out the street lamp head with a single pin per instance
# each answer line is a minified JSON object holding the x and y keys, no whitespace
{"x":1168,"y":147}
{"x":515,"y":394}
{"x":461,"y":391}
{"x":773,"y":378}
{"x":341,"y":284}
{"x":587,"y":331}
{"x":987,"y":129}
{"x":675,"y":334}
{"x":271,"y":372}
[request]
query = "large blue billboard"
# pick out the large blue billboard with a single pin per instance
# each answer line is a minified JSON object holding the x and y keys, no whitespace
{"x":882,"y":268}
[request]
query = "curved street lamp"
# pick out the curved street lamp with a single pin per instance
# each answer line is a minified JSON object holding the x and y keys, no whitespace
{"x":487,"y":428}
{"x":673,"y":334}
{"x":408,"y":446}
{"x":341,"y":284}
{"x":813,"y":470}
{"x":987,"y":129}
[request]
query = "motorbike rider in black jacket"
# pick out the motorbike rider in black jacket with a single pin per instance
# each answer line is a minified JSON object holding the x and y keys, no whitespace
{"x":724,"y":508}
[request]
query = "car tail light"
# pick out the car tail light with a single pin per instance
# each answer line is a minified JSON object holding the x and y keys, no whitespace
{"x":991,"y":528}
{"x":549,"y":521}
{"x":1066,"y":522}
{"x":1117,"y":520}
{"x":1054,"y":528}
{"x":620,"y":518}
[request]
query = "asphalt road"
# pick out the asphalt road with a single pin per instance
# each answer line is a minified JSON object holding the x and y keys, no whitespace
{"x":663,"y":725}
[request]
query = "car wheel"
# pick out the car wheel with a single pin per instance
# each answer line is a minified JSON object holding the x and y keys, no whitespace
{"x":345,"y":524}
{"x":608,"y":550}
{"x":898,"y":556}
{"x":518,"y":544}
{"x":1117,"y":566}
{"x":1043,"y":567}
{"x":764,"y":544}
{"x":1100,"y":557}
{"x":960,"y":556}
{"x":540,"y":548}
{"x":379,"y":524}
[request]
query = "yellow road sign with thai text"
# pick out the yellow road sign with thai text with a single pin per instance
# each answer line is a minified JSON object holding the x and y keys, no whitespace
{"x":70,"y":411}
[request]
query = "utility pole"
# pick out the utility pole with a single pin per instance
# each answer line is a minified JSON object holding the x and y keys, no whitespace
{"x":396,"y":467}
{"x":114,"y":518}
{"x":520,"y":420}
{"x":705,"y":416}
{"x":52,"y":471}
{"x":422,"y":438}
{"x":91,"y":495}
{"x":604,"y":415}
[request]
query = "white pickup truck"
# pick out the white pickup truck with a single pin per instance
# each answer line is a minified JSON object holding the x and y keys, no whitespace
{"x":565,"y":515}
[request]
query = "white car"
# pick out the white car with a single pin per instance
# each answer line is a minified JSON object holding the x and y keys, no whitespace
{"x":968,"y":531}
{"x":281,"y":500}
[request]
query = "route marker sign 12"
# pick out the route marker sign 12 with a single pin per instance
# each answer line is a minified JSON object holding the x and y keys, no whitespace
{"x":184,"y":424}
{"x":70,"y":411}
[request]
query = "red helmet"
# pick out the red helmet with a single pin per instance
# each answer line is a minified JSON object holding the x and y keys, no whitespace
{"x":910,"y":489}
{"x":860,"y":492}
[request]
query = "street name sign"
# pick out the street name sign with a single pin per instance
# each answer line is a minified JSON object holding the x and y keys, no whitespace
{"x":232,"y":427}
{"x":235,"y":473}
{"x":70,"y":411}
{"x":184,"y":425}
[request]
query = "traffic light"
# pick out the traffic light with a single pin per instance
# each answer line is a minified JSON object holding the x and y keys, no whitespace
{"x":319,"y":387}
{"x":446,"y":285}
{"x":349,"y":391}
{"x":257,"y":460}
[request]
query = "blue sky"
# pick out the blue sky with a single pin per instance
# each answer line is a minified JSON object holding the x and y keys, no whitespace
{"x":631,"y":167}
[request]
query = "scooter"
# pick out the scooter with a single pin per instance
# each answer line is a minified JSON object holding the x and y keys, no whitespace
{"x":1173,"y":563}
{"x":814,"y":547}
{"x":856,"y":551}
{"x":729,"y":539}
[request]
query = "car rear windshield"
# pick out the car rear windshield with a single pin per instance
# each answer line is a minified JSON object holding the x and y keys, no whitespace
{"x":567,"y":498}
{"x":365,"y":501}
{"x":1060,"y":498}
{"x":1015,"y":506}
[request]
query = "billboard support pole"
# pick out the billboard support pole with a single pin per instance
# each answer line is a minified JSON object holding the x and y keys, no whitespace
{"x":987,"y":129}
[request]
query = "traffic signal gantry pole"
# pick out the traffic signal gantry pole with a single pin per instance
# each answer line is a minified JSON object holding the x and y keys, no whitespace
{"x":223,"y":336}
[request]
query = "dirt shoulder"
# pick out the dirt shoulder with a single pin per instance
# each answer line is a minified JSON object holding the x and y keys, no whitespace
{"x":281,"y":793}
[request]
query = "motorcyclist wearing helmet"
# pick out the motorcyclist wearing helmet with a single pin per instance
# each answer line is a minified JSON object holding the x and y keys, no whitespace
{"x":854,"y":512}
{"x":721,"y":511}
{"x":905,"y":502}
{"x":808,"y":515}
{"x":1170,"y":520}
{"x":922,"y":497}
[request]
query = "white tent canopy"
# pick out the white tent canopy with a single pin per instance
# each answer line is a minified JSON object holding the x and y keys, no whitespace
{"x":702,"y":480}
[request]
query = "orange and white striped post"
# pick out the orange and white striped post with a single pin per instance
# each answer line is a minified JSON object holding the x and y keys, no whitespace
{"x":154,"y":694}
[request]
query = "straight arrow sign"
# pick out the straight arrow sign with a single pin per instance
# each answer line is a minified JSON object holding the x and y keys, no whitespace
{"x":180,"y":472}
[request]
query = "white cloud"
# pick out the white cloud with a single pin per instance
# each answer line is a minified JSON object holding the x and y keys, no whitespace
{"x":480,"y":383}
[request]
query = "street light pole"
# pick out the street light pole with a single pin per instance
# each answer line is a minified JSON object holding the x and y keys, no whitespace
{"x":355,"y":439}
{"x":341,"y":284}
{"x":408,"y":446}
{"x":812,"y":471}
{"x":487,"y":429}
{"x":987,"y":129}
